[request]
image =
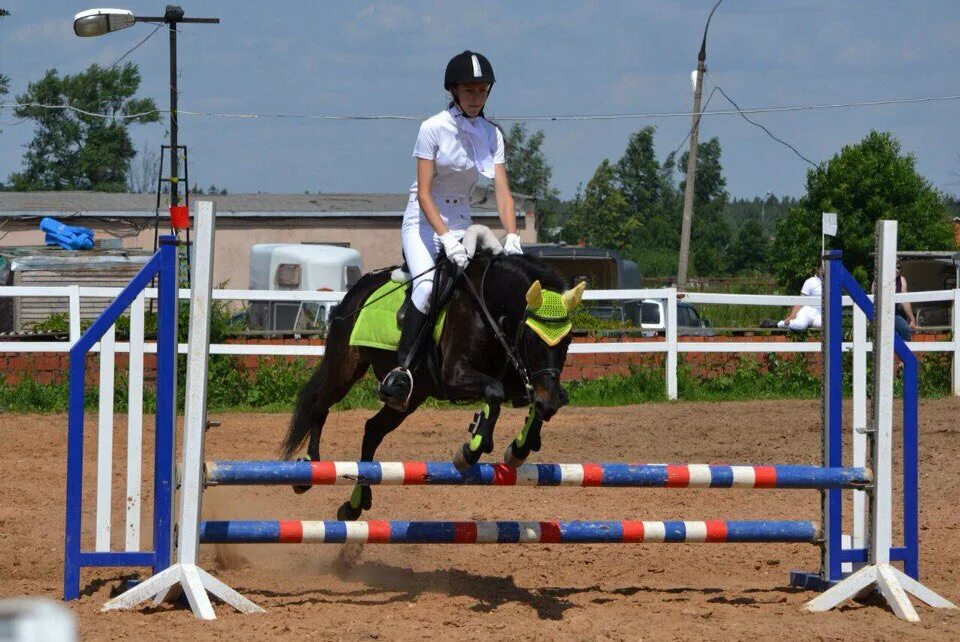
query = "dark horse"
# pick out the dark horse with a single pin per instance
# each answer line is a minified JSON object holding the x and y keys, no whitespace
{"x":474,"y":365}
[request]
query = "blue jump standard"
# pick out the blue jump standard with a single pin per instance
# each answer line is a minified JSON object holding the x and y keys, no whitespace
{"x":242,"y":473}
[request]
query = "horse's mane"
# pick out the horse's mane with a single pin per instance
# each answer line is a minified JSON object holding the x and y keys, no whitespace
{"x":519,"y":270}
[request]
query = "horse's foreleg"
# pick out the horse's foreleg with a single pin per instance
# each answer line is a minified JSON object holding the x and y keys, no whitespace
{"x":481,"y":440}
{"x":526,"y":441}
{"x":376,"y":428}
{"x":484,"y":422}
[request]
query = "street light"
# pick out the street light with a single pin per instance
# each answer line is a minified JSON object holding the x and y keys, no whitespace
{"x":692,"y":157}
{"x":97,"y":22}
{"x":763,"y":208}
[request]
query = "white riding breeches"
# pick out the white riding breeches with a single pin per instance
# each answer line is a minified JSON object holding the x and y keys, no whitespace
{"x":807,"y":317}
{"x":421,"y":244}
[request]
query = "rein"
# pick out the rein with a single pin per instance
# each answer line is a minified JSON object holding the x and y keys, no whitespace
{"x":511,"y":352}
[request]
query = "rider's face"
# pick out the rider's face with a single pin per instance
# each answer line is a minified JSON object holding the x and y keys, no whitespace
{"x":472,"y":96}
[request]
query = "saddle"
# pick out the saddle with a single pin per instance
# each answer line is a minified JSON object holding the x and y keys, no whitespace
{"x":445,"y":279}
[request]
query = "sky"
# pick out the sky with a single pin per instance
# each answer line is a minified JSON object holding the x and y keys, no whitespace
{"x":550,"y":57}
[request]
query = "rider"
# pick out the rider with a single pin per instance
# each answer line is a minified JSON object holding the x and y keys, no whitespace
{"x":454,"y":149}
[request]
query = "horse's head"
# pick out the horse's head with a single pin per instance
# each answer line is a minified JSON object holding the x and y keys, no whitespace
{"x":543,"y":342}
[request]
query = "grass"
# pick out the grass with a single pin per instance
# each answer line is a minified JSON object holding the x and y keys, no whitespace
{"x":273,"y":388}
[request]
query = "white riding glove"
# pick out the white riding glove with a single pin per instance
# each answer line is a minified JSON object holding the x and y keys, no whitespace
{"x":454,"y":249}
{"x":511,"y":244}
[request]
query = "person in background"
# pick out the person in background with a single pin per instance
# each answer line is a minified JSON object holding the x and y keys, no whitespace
{"x":802,"y":317}
{"x":905,"y":324}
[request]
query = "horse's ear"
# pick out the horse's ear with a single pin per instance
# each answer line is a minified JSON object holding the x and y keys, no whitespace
{"x":571,"y":298}
{"x":534,"y":296}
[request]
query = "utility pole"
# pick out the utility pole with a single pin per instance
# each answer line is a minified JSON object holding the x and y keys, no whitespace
{"x":691,"y":179}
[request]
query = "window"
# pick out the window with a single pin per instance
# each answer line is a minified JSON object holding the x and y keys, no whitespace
{"x":650,"y":312}
{"x":288,"y":276}
{"x":352,"y":275}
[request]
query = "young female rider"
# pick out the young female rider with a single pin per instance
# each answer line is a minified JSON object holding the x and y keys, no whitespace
{"x":454,"y":149}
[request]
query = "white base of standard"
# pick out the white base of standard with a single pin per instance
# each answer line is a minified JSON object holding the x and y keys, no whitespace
{"x":893,"y":584}
{"x":194,"y":581}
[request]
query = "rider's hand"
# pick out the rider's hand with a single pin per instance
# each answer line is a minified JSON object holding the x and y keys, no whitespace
{"x":454,"y":249}
{"x":511,"y":244}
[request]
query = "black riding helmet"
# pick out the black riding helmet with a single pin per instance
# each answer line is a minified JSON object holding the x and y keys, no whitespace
{"x":468,"y":66}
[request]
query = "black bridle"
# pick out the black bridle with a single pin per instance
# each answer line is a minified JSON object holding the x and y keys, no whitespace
{"x":513,"y":358}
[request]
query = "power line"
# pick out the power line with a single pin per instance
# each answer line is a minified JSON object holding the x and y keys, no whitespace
{"x":135,"y":47}
{"x":85,"y":112}
{"x":696,"y":124}
{"x":558,"y":118}
{"x":761,"y":126}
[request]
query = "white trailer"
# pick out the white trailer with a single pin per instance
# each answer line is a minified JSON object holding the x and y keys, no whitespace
{"x":304,"y":267}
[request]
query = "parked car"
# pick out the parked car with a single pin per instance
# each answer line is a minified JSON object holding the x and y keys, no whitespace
{"x":689,"y":320}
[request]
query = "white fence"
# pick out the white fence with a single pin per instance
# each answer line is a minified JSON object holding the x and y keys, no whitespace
{"x":671,"y":346}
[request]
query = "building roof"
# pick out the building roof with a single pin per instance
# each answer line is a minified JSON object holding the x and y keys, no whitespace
{"x":67,"y":204}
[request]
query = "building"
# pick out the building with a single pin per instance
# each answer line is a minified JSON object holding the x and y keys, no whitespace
{"x":369,"y":223}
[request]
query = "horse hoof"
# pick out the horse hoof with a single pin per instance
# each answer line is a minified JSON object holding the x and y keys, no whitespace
{"x":511,"y":458}
{"x":464,"y":458}
{"x":300,"y":489}
{"x":347,"y":513}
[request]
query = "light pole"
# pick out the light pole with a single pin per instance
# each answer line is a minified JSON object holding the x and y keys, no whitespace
{"x":97,"y":22}
{"x":692,"y":159}
{"x":763,"y":208}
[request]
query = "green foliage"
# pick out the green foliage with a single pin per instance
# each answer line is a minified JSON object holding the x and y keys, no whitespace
{"x":768,"y":210}
{"x":638,"y":175}
{"x":530,"y":173}
{"x":749,"y":250}
{"x":709,"y":233}
{"x":865,"y":182}
{"x":75,"y":151}
{"x":786,"y":376}
{"x":4,"y":86}
{"x":602,"y":216}
{"x":585,"y":322}
{"x":642,"y":385}
{"x":274,"y":386}
{"x":655,"y":262}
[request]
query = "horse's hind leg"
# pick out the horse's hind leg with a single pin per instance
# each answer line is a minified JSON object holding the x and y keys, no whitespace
{"x":376,"y":428}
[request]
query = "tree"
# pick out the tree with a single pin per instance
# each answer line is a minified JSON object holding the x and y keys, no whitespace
{"x":73,"y":150}
{"x":710,"y":234}
{"x":530,"y":174}
{"x":865,"y":182}
{"x":145,"y":172}
{"x":749,"y":249}
{"x":4,"y":86}
{"x":639,"y":175}
{"x":602,"y":215}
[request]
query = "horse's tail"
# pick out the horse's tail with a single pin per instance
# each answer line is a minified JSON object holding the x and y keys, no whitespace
{"x":309,"y":415}
{"x":338,"y":371}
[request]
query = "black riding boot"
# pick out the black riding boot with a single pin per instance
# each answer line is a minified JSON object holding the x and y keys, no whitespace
{"x":396,"y":387}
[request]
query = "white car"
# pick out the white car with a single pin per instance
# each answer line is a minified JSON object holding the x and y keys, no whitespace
{"x":689,"y":321}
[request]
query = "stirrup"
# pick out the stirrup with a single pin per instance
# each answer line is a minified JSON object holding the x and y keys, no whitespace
{"x":396,"y":388}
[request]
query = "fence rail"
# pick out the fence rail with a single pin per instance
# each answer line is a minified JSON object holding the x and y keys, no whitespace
{"x":670,"y":344}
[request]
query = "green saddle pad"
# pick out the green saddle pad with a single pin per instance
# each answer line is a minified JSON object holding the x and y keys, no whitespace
{"x":376,"y":325}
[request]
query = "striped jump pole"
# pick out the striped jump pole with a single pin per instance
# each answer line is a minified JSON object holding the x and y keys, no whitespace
{"x":324,"y":473}
{"x":504,"y":532}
